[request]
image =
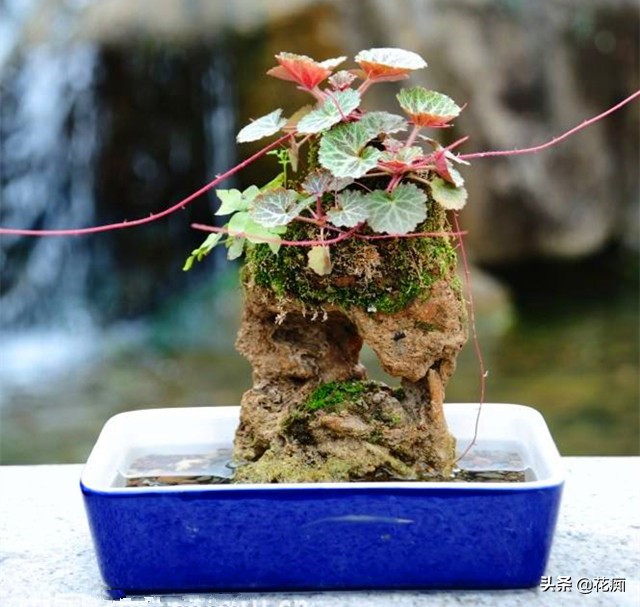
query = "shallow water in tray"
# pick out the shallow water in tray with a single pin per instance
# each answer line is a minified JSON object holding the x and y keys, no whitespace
{"x":154,"y":469}
{"x":217,"y":467}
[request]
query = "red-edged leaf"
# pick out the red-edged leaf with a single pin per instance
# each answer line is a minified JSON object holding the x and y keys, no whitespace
{"x":401,"y":160}
{"x":428,"y":108}
{"x":443,"y":160}
{"x":389,"y":63}
{"x":446,"y":170}
{"x":307,"y":72}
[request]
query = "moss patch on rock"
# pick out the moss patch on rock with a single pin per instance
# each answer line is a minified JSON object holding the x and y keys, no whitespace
{"x":335,"y":393}
{"x":344,"y":431}
{"x":377,"y":276}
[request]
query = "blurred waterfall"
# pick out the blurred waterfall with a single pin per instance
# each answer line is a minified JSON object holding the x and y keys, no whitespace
{"x":48,"y":128}
{"x":89,"y":135}
{"x":48,"y":135}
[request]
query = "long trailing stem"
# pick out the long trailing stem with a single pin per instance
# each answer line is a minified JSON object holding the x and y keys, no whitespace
{"x":153,"y":217}
{"x":555,"y":140}
{"x":285,"y":243}
{"x":352,"y":233}
{"x":181,"y":204}
{"x":474,"y":333}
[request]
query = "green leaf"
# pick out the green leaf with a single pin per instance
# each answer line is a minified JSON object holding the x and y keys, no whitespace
{"x":320,"y":181}
{"x":234,"y":200}
{"x":447,"y":195}
{"x":398,"y":212}
{"x":277,"y":207}
{"x":336,"y":107}
{"x":351,"y":210}
{"x":276,"y":182}
{"x":203,"y":250}
{"x":427,"y":108}
{"x":242,"y":225}
{"x":235,"y":247}
{"x":344,"y":151}
{"x":380,"y":123}
{"x":262,"y":127}
{"x":320,"y":260}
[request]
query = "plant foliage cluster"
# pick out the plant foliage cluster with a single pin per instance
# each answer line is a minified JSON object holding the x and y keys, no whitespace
{"x":376,"y":171}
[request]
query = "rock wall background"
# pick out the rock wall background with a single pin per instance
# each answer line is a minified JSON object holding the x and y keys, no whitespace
{"x":529,"y":71}
{"x":172,"y":81}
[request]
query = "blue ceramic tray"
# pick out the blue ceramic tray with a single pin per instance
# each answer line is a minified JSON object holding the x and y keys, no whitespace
{"x":318,"y":536}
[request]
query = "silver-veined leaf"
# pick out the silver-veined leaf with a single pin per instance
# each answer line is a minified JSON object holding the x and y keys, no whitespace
{"x":427,"y":108}
{"x":277,"y":207}
{"x":335,"y":108}
{"x":397,"y":212}
{"x":401,"y":158}
{"x":320,"y":181}
{"x":448,"y":195}
{"x":344,"y":151}
{"x":351,"y":210}
{"x":303,"y":70}
{"x":342,"y":80}
{"x":380,"y":123}
{"x":262,"y":127}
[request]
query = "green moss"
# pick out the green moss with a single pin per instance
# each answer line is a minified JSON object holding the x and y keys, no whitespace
{"x":399,"y":394}
{"x":378,"y":276}
{"x":335,"y":393}
{"x":376,"y":436}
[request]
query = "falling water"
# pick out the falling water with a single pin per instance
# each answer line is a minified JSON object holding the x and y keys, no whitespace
{"x":54,"y":138}
{"x":47,"y":142}
{"x":48,"y":134}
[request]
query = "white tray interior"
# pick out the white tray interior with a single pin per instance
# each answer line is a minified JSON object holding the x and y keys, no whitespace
{"x":198,"y":430}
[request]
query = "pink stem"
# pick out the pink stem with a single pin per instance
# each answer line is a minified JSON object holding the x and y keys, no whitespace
{"x":342,"y":236}
{"x":411,"y":235}
{"x":362,"y":89}
{"x":286,"y":243}
{"x":152,"y":217}
{"x":474,"y":333}
{"x":412,"y":136}
{"x":552,"y":142}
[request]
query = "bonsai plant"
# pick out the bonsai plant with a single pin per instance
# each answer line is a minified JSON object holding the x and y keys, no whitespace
{"x":353,"y":241}
{"x":348,"y":244}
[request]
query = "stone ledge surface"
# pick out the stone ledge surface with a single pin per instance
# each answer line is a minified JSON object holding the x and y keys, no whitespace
{"x":47,"y":559}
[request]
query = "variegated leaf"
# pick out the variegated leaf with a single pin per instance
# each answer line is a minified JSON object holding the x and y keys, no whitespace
{"x":262,"y":127}
{"x":351,"y":210}
{"x":277,"y":207}
{"x":344,"y":151}
{"x":335,"y":108}
{"x":398,"y":212}
{"x":428,"y":108}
